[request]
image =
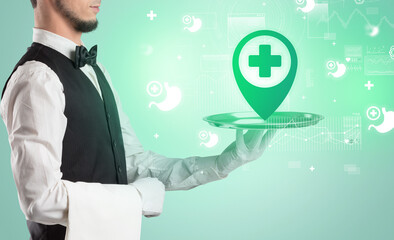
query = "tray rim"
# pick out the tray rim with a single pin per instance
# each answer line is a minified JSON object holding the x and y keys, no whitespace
{"x":271,"y":126}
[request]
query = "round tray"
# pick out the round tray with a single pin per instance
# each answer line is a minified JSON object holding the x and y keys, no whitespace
{"x":250,"y":120}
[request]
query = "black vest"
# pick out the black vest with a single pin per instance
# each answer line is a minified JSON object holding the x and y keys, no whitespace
{"x":91,"y":152}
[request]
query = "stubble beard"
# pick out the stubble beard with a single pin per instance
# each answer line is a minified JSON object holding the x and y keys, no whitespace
{"x":77,"y":23}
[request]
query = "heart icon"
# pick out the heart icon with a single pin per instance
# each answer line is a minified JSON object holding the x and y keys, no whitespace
{"x":347,"y":59}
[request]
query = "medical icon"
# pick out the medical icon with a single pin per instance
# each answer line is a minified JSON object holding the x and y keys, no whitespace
{"x":173,"y":95}
{"x":196,"y":23}
{"x":154,"y":88}
{"x":203,"y":135}
{"x":212,"y":139}
{"x":265,"y":65}
{"x":156,"y":136}
{"x":391,"y":52}
{"x":260,"y":61}
{"x":341,"y":69}
{"x":388,"y":122}
{"x":331,"y":65}
{"x":151,"y":15}
{"x":359,"y":2}
{"x":310,"y":5}
{"x":373,"y":113}
{"x":369,"y":85}
{"x":187,"y":19}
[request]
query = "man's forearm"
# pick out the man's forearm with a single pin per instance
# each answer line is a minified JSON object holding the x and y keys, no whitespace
{"x":174,"y":173}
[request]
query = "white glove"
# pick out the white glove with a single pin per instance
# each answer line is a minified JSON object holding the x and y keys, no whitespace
{"x":152,"y":193}
{"x":244,"y":149}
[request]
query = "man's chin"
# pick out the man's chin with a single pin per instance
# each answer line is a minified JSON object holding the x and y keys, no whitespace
{"x":86,"y":26}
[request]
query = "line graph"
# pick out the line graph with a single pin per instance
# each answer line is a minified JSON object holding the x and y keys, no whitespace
{"x":378,"y":65}
{"x":332,"y":134}
{"x":345,"y":23}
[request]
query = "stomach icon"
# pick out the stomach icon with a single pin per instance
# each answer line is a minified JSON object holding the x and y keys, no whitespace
{"x":388,"y":123}
{"x":341,"y":70}
{"x":213,"y":140}
{"x":372,"y":31}
{"x":197,"y":24}
{"x":173,"y":98}
{"x":310,"y":5}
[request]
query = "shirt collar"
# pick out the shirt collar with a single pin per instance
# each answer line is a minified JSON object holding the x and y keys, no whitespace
{"x":61,"y":44}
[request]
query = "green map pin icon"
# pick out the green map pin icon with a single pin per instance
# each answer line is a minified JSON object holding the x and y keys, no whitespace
{"x":269,"y":75}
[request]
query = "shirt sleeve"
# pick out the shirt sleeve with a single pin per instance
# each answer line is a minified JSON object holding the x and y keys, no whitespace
{"x":33,"y":111}
{"x":175,"y":173}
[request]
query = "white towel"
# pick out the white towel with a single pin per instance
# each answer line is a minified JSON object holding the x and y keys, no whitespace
{"x":103,"y":211}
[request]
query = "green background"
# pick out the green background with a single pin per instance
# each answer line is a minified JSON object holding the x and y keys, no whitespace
{"x":265,"y":199}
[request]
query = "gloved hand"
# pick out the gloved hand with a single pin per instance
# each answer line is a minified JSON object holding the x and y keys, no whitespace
{"x":244,"y":149}
{"x":152,"y":195}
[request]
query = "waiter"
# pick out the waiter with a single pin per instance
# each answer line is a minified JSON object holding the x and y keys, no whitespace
{"x":79,"y":169}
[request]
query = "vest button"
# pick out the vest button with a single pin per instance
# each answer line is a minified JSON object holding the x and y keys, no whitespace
{"x":119,"y":169}
{"x":108,"y":116}
{"x":114,"y":143}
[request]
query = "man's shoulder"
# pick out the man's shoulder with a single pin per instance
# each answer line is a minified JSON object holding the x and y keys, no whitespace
{"x":43,"y":58}
{"x":35,"y":59}
{"x":31,"y":76}
{"x":31,"y":68}
{"x":31,"y":72}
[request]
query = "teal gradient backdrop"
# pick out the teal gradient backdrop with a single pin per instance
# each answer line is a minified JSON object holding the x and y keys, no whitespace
{"x":265,"y":199}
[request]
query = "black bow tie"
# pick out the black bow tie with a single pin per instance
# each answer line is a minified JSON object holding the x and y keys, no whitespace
{"x":82,"y":56}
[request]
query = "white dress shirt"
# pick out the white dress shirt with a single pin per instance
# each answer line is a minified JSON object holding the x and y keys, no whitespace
{"x":33,"y":111}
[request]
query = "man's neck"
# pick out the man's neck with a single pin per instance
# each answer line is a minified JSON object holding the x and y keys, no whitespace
{"x":75,"y":37}
{"x":60,"y":27}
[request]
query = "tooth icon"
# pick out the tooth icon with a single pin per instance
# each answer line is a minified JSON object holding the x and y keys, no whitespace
{"x":388,"y":123}
{"x":173,"y":98}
